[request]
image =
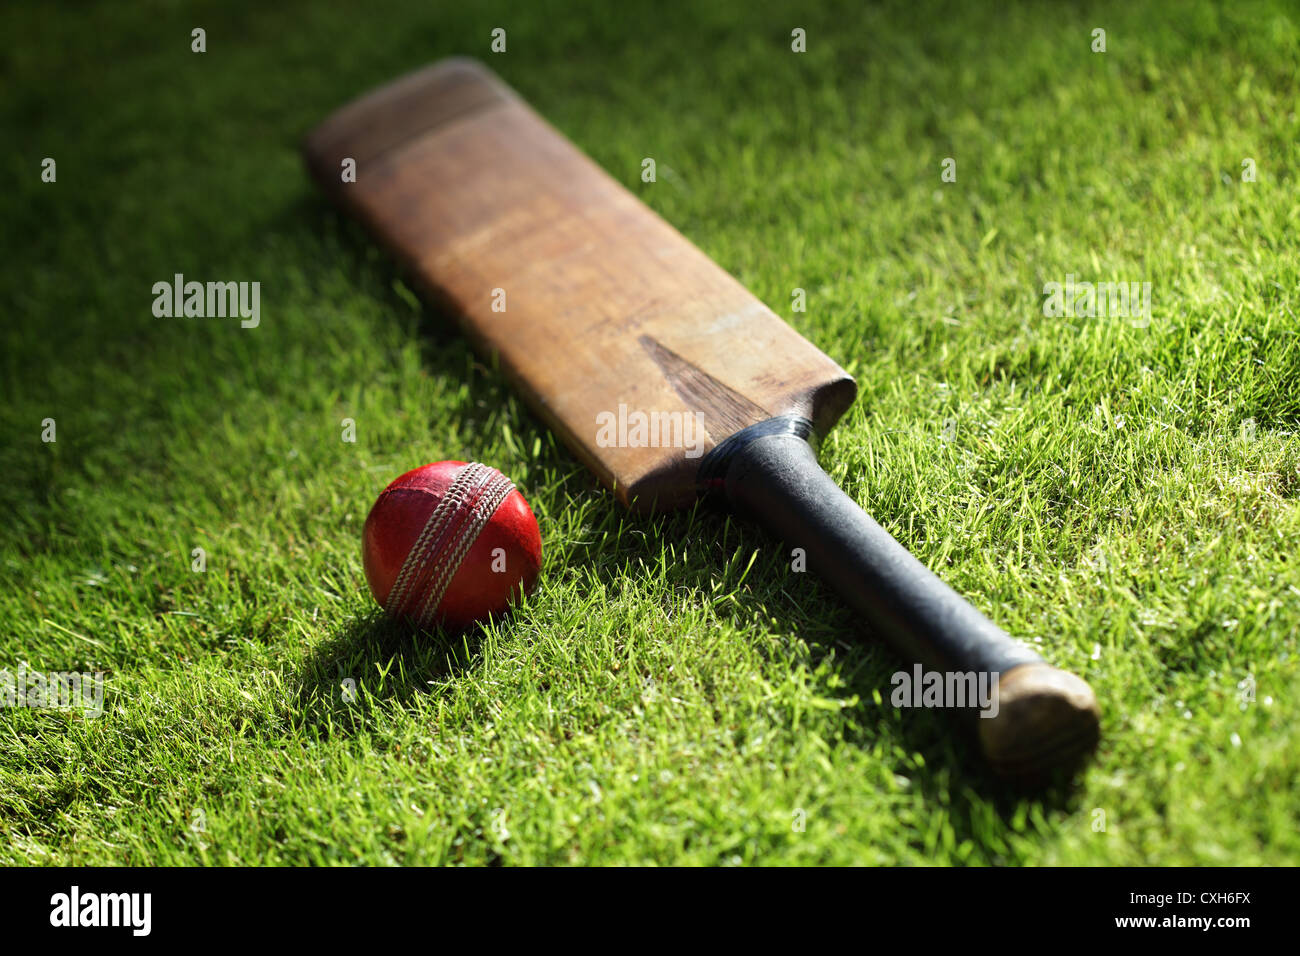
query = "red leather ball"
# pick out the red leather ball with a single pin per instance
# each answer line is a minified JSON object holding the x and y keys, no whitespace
{"x":449,"y":544}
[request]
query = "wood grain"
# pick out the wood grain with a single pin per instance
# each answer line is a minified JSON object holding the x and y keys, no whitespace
{"x":1047,"y":719}
{"x":605,"y":303}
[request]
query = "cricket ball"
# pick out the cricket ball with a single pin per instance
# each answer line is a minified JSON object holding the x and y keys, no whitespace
{"x":450,"y":543}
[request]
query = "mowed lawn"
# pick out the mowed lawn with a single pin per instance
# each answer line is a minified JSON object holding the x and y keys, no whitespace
{"x":1123,"y":494}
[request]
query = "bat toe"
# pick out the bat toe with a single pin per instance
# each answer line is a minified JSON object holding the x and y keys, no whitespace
{"x":1048,"y":723}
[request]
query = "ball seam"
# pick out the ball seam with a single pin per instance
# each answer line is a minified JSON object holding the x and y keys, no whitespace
{"x":489,"y":500}
{"x":424,"y":545}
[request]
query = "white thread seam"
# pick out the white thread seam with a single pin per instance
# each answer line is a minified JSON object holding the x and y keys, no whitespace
{"x":419,"y":550}
{"x":430,"y":542}
{"x":485,"y":506}
{"x":419,"y":554}
{"x":496,"y":491}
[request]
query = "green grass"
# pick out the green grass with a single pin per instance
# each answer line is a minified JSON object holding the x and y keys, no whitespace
{"x":672,"y":693}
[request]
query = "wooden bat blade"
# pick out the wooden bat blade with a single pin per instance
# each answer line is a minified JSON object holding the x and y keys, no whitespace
{"x":627,"y":340}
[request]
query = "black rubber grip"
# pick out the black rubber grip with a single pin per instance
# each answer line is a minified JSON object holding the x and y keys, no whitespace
{"x":770,"y":472}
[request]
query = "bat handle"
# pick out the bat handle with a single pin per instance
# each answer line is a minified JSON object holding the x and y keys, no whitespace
{"x":1046,"y":719}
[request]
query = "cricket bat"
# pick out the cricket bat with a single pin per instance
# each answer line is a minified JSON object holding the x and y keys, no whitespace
{"x":658,"y":369}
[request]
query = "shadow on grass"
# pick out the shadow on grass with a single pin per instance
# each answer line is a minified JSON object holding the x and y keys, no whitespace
{"x":951,"y":772}
{"x":376,"y":659}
